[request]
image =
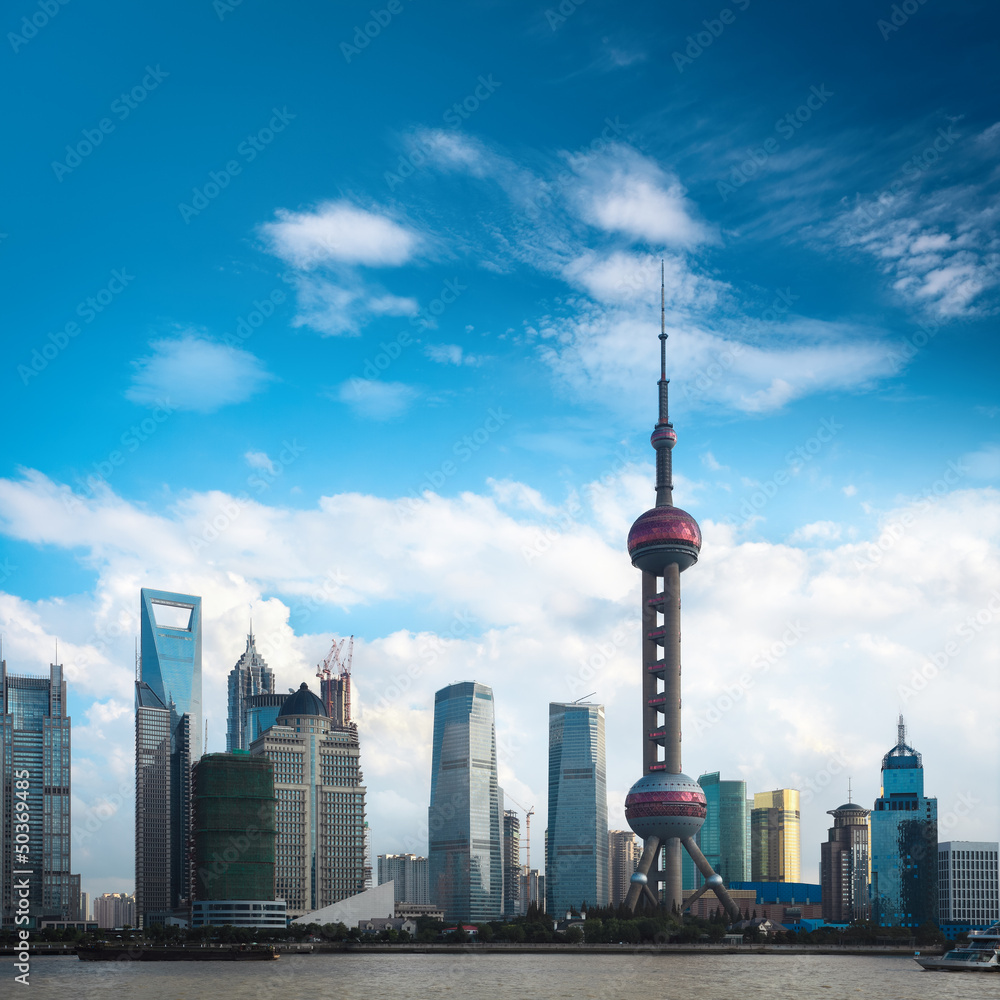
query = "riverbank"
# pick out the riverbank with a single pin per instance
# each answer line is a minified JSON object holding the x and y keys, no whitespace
{"x":503,"y":948}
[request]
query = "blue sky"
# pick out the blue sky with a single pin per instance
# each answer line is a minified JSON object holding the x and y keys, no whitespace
{"x":371,"y":344}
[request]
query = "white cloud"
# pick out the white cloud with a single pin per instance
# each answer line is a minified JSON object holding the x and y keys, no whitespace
{"x":818,"y":531}
{"x":451,"y":354}
{"x":622,"y":191}
{"x":191,"y":372}
{"x":259,"y":460}
{"x":342,"y":309}
{"x":374,"y":399}
{"x":983,"y":464}
{"x":849,"y":490}
{"x":492,"y":571}
{"x":339,"y":233}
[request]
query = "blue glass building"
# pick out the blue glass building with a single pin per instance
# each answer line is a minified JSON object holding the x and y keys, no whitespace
{"x":577,"y":858}
{"x":904,"y":847}
{"x":168,"y":738}
{"x":170,"y":643}
{"x":35,"y":771}
{"x":724,"y":837}
{"x":465,"y":857}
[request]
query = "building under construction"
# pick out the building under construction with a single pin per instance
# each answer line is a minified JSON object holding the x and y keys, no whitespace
{"x":234,"y":835}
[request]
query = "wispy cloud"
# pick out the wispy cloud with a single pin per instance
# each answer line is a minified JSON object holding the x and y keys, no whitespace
{"x":195,"y":373}
{"x":339,"y":232}
{"x":374,"y":399}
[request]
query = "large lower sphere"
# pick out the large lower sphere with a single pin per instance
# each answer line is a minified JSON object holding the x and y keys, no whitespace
{"x":665,"y":805}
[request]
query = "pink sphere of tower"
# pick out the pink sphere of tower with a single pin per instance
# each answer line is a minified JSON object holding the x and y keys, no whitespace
{"x":662,"y":536}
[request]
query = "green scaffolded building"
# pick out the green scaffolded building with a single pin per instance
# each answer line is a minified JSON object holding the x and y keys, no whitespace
{"x":234,"y":842}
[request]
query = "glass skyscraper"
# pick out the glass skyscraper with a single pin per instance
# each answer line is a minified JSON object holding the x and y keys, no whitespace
{"x":167,"y":742}
{"x":904,"y":848}
{"x":250,"y":677}
{"x":775,"y":854}
{"x":577,"y":867}
{"x":35,"y":769}
{"x":724,"y":836}
{"x":464,"y":823}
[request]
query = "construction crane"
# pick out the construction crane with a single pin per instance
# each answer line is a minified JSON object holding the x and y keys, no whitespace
{"x":334,"y":675}
{"x":528,"y":813}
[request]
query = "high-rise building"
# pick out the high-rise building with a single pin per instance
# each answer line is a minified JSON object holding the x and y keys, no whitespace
{"x":623,"y":856}
{"x":167,"y":742}
{"x":723,"y":837}
{"x":968,"y":889}
{"x":35,"y":793}
{"x":577,"y":869}
{"x":904,"y":847}
{"x":85,"y":906}
{"x":251,"y":676}
{"x":114,"y":909}
{"x":408,"y":873}
{"x":234,"y":837}
{"x":775,"y":854}
{"x":465,"y":851}
{"x":262,"y":713}
{"x":320,"y":794}
{"x":844,"y":866}
{"x":511,"y":863}
{"x":665,"y":807}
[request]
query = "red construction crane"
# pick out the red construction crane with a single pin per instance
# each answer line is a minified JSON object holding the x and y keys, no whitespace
{"x":335,"y":681}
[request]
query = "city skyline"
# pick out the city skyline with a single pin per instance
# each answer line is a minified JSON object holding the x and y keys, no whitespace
{"x":396,"y":387}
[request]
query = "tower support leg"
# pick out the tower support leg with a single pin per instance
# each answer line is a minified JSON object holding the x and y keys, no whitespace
{"x":650,"y":848}
{"x":701,"y":862}
{"x":673,"y":892}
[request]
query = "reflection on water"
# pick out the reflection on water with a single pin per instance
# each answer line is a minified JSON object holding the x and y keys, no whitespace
{"x":576,"y":976}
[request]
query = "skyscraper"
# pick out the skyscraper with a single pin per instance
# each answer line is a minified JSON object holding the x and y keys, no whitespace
{"x":319,"y":787}
{"x":577,"y":870}
{"x":623,"y":856}
{"x":251,"y":676}
{"x":408,"y":873}
{"x":904,"y":841}
{"x":724,"y":836}
{"x":511,"y":863}
{"x":35,"y":792}
{"x":844,"y":864}
{"x":167,"y":743}
{"x":775,"y":853}
{"x":967,"y":882}
{"x":665,"y":807}
{"x":465,"y":852}
{"x":234,"y":836}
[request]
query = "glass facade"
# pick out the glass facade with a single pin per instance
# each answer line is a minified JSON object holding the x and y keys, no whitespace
{"x":577,"y":866}
{"x":774,"y":836}
{"x":724,"y":836}
{"x":167,"y":698}
{"x":35,"y":772}
{"x":465,"y":853}
{"x":250,"y":677}
{"x":904,"y":848}
{"x":170,"y":642}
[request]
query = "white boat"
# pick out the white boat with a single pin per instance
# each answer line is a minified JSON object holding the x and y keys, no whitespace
{"x":981,"y":954}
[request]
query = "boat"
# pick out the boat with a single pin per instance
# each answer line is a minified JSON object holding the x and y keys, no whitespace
{"x":981,"y":954}
{"x":195,"y":953}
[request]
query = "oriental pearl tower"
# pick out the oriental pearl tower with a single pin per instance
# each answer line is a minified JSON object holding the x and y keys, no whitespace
{"x":665,"y":807}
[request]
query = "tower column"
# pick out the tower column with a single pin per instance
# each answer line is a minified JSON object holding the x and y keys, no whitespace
{"x":672,"y":669}
{"x":673,"y":894}
{"x":650,"y":654}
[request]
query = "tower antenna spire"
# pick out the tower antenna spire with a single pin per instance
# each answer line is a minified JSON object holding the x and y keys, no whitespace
{"x":901,"y":731}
